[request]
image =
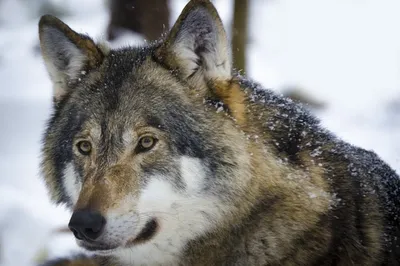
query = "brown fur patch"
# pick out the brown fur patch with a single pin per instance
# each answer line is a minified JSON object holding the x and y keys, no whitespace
{"x":233,"y":97}
{"x":101,"y":192}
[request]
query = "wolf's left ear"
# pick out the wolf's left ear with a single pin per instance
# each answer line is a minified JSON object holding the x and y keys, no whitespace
{"x":66,"y":53}
{"x":197,"y":45}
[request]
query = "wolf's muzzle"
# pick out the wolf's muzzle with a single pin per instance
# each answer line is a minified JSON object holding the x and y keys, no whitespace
{"x":87,"y":224}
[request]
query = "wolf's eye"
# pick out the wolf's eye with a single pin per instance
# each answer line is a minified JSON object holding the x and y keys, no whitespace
{"x":146,"y":143}
{"x":84,"y":147}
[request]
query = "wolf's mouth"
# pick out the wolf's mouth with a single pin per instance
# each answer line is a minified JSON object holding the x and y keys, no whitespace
{"x":148,"y":231}
{"x":97,"y":247}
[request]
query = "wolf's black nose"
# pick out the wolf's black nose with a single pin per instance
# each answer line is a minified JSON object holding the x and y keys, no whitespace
{"x":87,"y":224}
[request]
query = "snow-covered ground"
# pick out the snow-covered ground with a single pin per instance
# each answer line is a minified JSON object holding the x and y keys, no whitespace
{"x":345,"y":53}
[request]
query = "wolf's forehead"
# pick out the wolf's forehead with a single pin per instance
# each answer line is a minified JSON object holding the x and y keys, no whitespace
{"x":120,"y":126}
{"x":131,"y":79}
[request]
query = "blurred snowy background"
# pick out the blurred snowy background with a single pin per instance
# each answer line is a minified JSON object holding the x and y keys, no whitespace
{"x":344,"y":54}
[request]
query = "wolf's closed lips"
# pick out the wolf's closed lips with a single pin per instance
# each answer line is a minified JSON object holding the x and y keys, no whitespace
{"x":96,"y":246}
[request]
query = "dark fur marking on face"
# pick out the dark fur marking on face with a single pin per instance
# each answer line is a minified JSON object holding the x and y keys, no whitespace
{"x":149,"y":230}
{"x":187,"y":137}
{"x":166,"y":170}
{"x":154,"y":121}
{"x":62,"y":153}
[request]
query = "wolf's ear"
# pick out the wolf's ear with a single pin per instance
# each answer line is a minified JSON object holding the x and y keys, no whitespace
{"x":197,"y":45}
{"x":66,"y":53}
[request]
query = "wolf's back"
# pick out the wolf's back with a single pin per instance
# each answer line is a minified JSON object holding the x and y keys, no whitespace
{"x":385,"y":183}
{"x":364,"y":218}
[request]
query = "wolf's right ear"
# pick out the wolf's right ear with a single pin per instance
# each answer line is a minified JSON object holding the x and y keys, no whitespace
{"x":66,"y":53}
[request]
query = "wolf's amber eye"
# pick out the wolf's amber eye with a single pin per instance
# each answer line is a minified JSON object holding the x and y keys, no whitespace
{"x":84,"y":147}
{"x":146,"y":143}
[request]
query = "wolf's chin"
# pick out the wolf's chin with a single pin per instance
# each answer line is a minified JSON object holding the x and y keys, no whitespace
{"x":98,"y":248}
{"x":106,"y":252}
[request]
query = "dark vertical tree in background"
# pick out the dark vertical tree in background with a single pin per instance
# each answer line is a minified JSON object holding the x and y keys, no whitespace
{"x":147,"y":17}
{"x":239,"y":33}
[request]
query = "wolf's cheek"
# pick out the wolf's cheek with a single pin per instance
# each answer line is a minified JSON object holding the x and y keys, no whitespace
{"x":71,"y":183}
{"x":122,"y":223}
{"x":170,"y":213}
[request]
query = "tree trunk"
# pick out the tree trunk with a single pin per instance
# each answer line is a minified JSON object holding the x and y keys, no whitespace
{"x":239,"y":34}
{"x":149,"y":18}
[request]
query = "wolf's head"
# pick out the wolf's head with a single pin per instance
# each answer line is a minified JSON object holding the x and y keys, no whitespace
{"x":133,"y":147}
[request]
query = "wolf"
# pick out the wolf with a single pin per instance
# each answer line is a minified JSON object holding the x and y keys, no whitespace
{"x":166,"y":156}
